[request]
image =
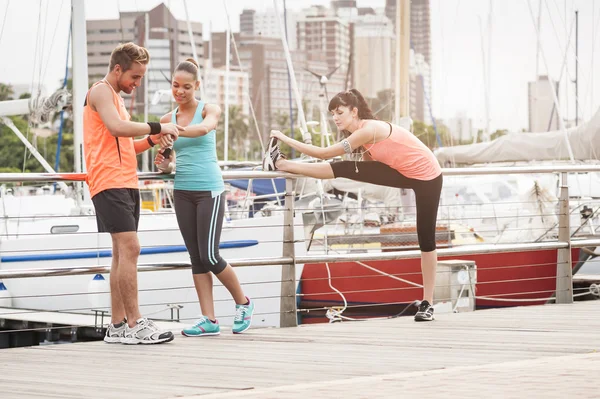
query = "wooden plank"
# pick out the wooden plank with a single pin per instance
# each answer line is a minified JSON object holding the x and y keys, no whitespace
{"x":276,"y":361}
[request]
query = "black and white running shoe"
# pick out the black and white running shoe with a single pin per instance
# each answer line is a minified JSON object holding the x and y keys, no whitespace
{"x":145,"y":332}
{"x":115,"y":332}
{"x":272,"y":154}
{"x":425,"y":312}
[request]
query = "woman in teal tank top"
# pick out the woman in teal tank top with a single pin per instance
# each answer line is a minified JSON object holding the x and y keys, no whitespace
{"x":200,"y":200}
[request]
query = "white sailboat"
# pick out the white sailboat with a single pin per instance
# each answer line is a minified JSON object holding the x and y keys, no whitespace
{"x":49,"y":230}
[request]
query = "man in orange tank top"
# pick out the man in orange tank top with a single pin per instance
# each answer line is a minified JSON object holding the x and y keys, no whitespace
{"x":110,"y":156}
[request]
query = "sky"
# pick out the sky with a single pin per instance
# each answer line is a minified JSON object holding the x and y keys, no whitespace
{"x":456,"y":36}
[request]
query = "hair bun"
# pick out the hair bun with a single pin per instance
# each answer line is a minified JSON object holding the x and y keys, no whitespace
{"x":193,"y":61}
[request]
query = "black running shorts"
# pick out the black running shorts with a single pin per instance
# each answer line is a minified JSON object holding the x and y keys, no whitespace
{"x":117,"y":210}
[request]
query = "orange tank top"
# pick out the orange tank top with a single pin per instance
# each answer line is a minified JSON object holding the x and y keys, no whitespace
{"x":404,"y":152}
{"x":110,"y":161}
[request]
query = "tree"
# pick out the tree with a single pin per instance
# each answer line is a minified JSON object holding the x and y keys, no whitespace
{"x":6,"y":92}
{"x":24,"y":96}
{"x":238,"y":133}
{"x":14,"y":157}
{"x":239,"y":143}
{"x":498,"y":133}
{"x":425,"y":133}
{"x":384,"y":108}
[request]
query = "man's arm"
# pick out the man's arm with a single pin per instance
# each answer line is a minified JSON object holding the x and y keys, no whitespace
{"x":142,"y":145}
{"x":158,"y":139}
{"x":102,"y":102}
{"x":212,"y":113}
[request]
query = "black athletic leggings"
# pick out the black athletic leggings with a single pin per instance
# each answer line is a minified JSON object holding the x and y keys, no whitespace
{"x":200,"y":219}
{"x":427,"y":192}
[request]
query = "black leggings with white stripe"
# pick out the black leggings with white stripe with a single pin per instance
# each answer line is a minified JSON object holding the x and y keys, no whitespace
{"x":200,"y":219}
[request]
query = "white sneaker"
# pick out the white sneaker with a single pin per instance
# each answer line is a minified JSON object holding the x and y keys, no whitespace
{"x":272,"y":154}
{"x":114,"y":335}
{"x":145,"y":332}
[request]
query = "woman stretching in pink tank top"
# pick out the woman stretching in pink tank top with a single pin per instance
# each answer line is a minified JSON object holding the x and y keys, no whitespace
{"x":394,"y":158}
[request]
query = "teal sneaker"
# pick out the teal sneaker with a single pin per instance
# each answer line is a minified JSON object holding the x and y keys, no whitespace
{"x":243,"y":317}
{"x":202,"y":327}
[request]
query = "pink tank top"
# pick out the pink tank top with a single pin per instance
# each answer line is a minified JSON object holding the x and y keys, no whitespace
{"x":404,"y":152}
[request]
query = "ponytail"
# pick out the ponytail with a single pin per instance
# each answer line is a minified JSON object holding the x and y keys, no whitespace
{"x":190,"y":66}
{"x":364,"y":111}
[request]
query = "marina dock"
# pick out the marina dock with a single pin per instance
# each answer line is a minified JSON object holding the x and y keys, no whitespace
{"x":535,"y":351}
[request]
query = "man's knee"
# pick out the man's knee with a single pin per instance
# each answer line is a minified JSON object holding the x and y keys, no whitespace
{"x":127,"y":245}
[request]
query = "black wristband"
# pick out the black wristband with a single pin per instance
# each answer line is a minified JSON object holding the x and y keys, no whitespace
{"x":150,"y":141}
{"x":155,"y":127}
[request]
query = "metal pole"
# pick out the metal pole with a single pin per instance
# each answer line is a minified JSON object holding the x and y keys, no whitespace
{"x":561,"y":123}
{"x":397,"y":64}
{"x":404,"y":46}
{"x":227,"y":67}
{"x":564,"y":272}
{"x":193,"y":44}
{"x":145,"y":154}
{"x":62,"y":112}
{"x":288,"y":309}
{"x":301,"y":118}
{"x":576,"y":68}
{"x":80,"y":88}
{"x":289,"y":81}
{"x":489,"y":77}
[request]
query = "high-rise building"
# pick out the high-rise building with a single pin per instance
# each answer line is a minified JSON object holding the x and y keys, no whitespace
{"x":420,"y":29}
{"x":542,"y":114}
{"x":390,"y":10}
{"x":247,"y":21}
{"x":420,"y":37}
{"x":420,"y":24}
{"x":215,"y":90}
{"x":217,"y":45}
{"x":264,"y":60}
{"x":420,"y":87}
{"x":460,"y":127}
{"x":266,"y":24}
{"x":373,"y":54}
{"x":323,"y":34}
{"x":102,"y":38}
{"x":336,"y":4}
{"x":168,"y":44}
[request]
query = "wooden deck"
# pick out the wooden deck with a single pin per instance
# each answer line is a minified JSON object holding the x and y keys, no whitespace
{"x":545,"y":351}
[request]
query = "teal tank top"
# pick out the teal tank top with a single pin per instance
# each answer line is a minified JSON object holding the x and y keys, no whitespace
{"x":196,"y":159}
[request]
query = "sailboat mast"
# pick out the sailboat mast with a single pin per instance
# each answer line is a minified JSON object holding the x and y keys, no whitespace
{"x":145,"y":155}
{"x":193,"y":44}
{"x":286,"y":50}
{"x":576,"y":67}
{"x":289,"y":81}
{"x":489,"y":76}
{"x":561,"y":123}
{"x":80,"y":79}
{"x":402,"y":102}
{"x":227,"y":68}
{"x":80,"y":88}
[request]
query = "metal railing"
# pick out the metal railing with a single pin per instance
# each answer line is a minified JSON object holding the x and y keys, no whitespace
{"x":289,"y":258}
